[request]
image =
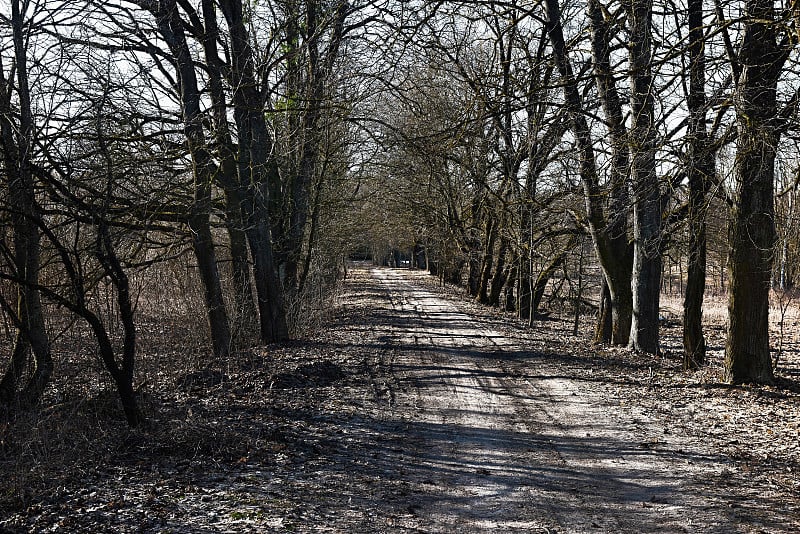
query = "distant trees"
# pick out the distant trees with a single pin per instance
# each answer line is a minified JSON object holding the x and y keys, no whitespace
{"x":483,"y":140}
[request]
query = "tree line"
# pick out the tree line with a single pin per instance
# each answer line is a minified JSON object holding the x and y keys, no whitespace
{"x":137,"y":132}
{"x":523,"y":127}
{"x":265,"y":140}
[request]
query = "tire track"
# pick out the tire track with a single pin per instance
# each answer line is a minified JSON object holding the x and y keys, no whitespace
{"x":500,"y":448}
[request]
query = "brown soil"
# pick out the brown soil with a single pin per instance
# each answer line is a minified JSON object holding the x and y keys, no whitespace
{"x":416,"y":411}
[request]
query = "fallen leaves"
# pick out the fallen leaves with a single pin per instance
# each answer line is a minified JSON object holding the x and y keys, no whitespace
{"x":298,"y":436}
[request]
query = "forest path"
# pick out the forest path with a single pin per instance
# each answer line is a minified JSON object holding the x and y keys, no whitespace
{"x":415,"y":410}
{"x":497,"y":437}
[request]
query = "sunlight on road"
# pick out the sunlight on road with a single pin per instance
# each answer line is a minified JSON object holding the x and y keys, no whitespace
{"x":500,"y":447}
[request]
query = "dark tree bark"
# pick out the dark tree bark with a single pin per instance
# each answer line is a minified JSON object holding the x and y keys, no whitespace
{"x":498,"y":278}
{"x":546,"y":274}
{"x":700,"y":168}
{"x":171,"y":28}
{"x":524,"y":272}
{"x":615,"y":265}
{"x":618,"y":263}
{"x":17,"y":145}
{"x":258,"y":170}
{"x":205,"y":254}
{"x":524,"y":287}
{"x":487,"y":260}
{"x":318,"y":69}
{"x":537,"y":159}
{"x":245,"y":312}
{"x":604,"y":327}
{"x":473,"y":274}
{"x":312,"y":234}
{"x":646,"y":275}
{"x":122,"y":375}
{"x":451,"y":274}
{"x":108,"y":258}
{"x":505,"y":31}
{"x":510,"y":300}
{"x":752,"y":230}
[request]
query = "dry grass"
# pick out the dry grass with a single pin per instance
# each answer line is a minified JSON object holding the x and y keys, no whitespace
{"x":81,"y":419}
{"x":784,"y":328}
{"x":76,"y":455}
{"x":80,"y":425}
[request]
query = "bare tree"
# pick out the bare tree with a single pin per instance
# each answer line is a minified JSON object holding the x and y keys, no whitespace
{"x":171,"y":27}
{"x":314,"y":47}
{"x":245,"y":312}
{"x":17,"y":139}
{"x":257,"y":169}
{"x":647,"y":198}
{"x":606,"y":237}
{"x":700,"y":170}
{"x":617,"y":296}
{"x":752,"y":239}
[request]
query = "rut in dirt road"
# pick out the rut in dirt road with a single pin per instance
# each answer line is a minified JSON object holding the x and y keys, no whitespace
{"x":496,"y":437}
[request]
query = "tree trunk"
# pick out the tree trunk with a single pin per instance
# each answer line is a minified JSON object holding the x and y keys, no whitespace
{"x":615,"y":262}
{"x":432,"y":260}
{"x":752,"y":229}
{"x":544,"y":277}
{"x":700,"y":169}
{"x":272,"y":316}
{"x":617,"y":268}
{"x":123,"y":376}
{"x":308,"y":151}
{"x":579,"y":294}
{"x":204,"y":252}
{"x":258,"y":170}
{"x":452,"y":273}
{"x":318,"y":70}
{"x":17,"y":148}
{"x":524,"y":272}
{"x":473,"y":276}
{"x":312,"y":236}
{"x":510,"y":301}
{"x":245,"y":312}
{"x":614,"y":251}
{"x":604,"y":327}
{"x":16,"y":366}
{"x":171,"y":28}
{"x":646,"y":275}
{"x":498,"y":279}
{"x":487,"y":261}
{"x":524,"y":288}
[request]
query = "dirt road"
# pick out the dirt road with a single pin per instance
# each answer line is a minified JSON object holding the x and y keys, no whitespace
{"x":495,"y":437}
{"x":417,"y":411}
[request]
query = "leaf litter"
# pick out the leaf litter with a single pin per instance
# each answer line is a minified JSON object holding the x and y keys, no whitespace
{"x":417,"y":411}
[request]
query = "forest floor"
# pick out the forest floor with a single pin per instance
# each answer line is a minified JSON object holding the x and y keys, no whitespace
{"x":417,"y":411}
